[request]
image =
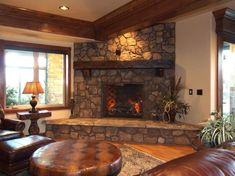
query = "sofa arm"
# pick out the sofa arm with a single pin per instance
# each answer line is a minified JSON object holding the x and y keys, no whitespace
{"x":229,"y":145}
{"x":210,"y":162}
{"x":13,"y":125}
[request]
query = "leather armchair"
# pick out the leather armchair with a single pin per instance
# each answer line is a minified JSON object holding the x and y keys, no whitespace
{"x":13,"y":125}
{"x":9,"y":128}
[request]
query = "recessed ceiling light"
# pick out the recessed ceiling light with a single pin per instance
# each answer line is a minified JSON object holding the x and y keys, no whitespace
{"x":63,"y":7}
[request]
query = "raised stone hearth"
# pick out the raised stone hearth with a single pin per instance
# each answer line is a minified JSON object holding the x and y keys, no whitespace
{"x":122,"y":130}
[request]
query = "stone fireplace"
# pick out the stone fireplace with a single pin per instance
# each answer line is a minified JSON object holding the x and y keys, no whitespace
{"x":126,"y":77}
{"x":123,"y":100}
{"x":96,"y":93}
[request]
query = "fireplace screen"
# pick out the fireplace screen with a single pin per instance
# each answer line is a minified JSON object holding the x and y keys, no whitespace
{"x":123,"y":100}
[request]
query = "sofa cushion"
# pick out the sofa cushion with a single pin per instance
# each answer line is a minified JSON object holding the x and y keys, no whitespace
{"x":7,"y":135}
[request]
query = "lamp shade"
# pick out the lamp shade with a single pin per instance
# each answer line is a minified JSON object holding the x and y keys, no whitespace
{"x":34,"y":88}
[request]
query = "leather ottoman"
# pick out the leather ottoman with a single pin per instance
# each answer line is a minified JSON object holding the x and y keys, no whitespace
{"x":15,"y":153}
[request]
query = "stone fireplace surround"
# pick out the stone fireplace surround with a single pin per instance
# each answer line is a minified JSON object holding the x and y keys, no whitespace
{"x":153,"y":43}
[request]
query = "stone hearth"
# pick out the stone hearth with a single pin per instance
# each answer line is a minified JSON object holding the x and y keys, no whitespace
{"x":122,"y":130}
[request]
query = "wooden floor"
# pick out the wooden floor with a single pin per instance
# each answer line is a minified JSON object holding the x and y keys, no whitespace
{"x":162,"y":152}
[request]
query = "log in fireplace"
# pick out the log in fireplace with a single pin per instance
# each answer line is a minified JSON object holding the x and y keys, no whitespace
{"x":123,"y":100}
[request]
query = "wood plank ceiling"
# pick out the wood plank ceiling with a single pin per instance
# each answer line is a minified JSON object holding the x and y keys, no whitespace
{"x":134,"y":15}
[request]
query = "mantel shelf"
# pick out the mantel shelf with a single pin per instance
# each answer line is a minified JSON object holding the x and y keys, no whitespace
{"x":137,"y":64}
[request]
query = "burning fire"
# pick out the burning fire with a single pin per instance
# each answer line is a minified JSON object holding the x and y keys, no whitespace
{"x":135,"y":105}
{"x":111,"y":104}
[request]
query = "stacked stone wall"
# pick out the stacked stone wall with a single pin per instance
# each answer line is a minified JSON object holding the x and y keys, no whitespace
{"x":122,"y":134}
{"x":153,"y":43}
{"x":55,"y":79}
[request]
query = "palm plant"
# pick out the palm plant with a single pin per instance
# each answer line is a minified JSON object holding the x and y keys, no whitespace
{"x":217,"y":131}
{"x":171,"y":101}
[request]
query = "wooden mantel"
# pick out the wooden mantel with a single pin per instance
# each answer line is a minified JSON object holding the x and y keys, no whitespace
{"x":159,"y":65}
{"x":136,"y":64}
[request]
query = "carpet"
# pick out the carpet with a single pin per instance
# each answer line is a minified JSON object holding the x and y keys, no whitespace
{"x":134,"y":162}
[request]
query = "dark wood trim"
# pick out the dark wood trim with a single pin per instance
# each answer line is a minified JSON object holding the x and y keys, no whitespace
{"x":88,"y":66}
{"x":11,"y":111}
{"x":137,"y":64}
{"x":225,"y":29}
{"x":34,"y":47}
{"x":67,"y":77}
{"x":39,"y":48}
{"x":135,"y":15}
{"x":219,"y":80}
{"x":225,"y":24}
{"x":143,"y":13}
{"x":2,"y":75}
{"x":45,"y":22}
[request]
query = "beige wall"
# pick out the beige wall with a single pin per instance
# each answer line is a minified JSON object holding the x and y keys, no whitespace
{"x":195,"y":63}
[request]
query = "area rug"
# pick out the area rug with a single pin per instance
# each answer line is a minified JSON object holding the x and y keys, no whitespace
{"x":134,"y":162}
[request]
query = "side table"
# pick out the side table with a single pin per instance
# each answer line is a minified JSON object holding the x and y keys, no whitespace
{"x":33,"y":117}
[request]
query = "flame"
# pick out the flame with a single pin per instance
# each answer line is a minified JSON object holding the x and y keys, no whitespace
{"x":135,"y":105}
{"x":111,"y":104}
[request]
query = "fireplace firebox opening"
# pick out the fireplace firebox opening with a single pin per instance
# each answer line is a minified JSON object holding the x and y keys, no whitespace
{"x":125,"y":100}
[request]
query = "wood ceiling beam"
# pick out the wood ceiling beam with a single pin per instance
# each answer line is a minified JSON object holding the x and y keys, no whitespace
{"x":142,"y":13}
{"x":225,"y":24}
{"x":45,"y":22}
{"x":134,"y":15}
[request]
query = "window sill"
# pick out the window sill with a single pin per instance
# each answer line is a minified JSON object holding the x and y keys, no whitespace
{"x":14,"y":110}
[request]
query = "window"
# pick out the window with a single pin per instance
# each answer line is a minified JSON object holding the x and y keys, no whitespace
{"x":226,"y":60}
{"x":228,"y":76}
{"x":47,"y":64}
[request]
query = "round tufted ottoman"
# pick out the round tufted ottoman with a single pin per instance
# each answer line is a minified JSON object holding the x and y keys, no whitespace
{"x":76,"y":157}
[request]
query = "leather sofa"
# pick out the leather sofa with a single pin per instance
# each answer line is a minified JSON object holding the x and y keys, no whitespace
{"x":9,"y":128}
{"x":218,"y":161}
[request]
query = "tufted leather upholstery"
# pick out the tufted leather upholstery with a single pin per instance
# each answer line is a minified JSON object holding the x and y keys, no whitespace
{"x":2,"y":115}
{"x":7,"y":135}
{"x":15,"y":153}
{"x":230,"y":145}
{"x":207,"y":162}
{"x":9,"y":128}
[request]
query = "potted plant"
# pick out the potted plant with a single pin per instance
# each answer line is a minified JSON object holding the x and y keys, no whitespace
{"x":172,"y":104}
{"x":217,"y":131}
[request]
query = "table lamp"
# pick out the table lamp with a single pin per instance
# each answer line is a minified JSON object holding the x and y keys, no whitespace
{"x":33,"y":88}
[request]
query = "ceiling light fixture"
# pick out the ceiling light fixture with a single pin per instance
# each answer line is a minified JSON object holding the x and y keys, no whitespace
{"x":63,"y":7}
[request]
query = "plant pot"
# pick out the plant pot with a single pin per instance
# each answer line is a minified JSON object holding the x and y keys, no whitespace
{"x":170,"y":116}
